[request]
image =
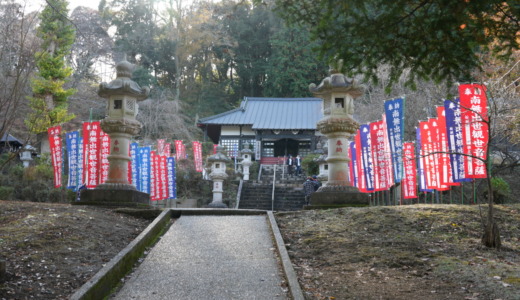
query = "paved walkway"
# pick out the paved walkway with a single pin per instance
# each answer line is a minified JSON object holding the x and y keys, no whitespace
{"x":209,"y":257}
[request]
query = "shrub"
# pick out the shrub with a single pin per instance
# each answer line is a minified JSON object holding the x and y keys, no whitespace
{"x":6,"y":192}
{"x":501,"y":189}
{"x":310,"y":165}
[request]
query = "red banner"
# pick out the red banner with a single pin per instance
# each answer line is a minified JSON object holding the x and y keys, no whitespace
{"x":160,"y":146}
{"x":105,"y":151}
{"x":164,"y":177}
{"x":91,"y":150}
{"x":180,"y":150}
{"x":153,"y":176}
{"x":436,"y":149}
{"x":388,"y":155}
{"x":197,"y":156}
{"x":215,"y":148}
{"x":374,"y":150}
{"x":362,"y":186}
{"x":475,"y":131}
{"x":428,"y":159}
{"x":409,"y":182}
{"x":446,"y":175}
{"x":167,"y":149}
{"x":56,"y":153}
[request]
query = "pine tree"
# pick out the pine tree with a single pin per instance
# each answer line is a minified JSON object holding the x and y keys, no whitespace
{"x":49,"y":101}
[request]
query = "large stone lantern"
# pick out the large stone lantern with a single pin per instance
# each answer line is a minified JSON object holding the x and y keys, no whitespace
{"x":218,"y":175}
{"x":121,"y":125}
{"x":246,"y":155}
{"x":338,"y":94}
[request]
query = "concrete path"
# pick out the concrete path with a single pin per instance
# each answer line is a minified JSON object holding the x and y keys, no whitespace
{"x":210,"y":257}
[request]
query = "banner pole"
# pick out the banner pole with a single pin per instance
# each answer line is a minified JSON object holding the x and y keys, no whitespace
{"x":462,"y":192}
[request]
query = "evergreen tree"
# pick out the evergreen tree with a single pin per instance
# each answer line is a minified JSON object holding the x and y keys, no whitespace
{"x":439,"y":40}
{"x":293,"y":65}
{"x":49,"y":101}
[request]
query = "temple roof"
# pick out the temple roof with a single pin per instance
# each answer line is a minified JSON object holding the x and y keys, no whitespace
{"x":272,"y":113}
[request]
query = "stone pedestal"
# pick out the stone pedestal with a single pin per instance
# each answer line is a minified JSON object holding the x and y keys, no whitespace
{"x":114,"y":197}
{"x":345,"y":197}
{"x":217,"y":194}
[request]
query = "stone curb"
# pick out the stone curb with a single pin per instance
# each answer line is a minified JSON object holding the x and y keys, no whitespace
{"x":288,"y":269}
{"x":104,"y":281}
{"x":100,"y":286}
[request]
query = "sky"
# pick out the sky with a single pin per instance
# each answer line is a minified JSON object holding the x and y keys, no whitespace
{"x":39,"y":4}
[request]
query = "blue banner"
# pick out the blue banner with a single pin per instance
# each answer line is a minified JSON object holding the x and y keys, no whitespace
{"x":145,"y":168}
{"x":366,"y":156}
{"x":172,"y":182}
{"x":353,"y":164}
{"x":394,"y":111}
{"x":455,"y":140}
{"x":134,"y":148}
{"x":72,"y":142}
{"x":80,"y":181}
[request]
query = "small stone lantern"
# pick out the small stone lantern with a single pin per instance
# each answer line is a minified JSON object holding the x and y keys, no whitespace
{"x":321,"y":160}
{"x":247,"y":155}
{"x":218,"y":175}
{"x":26,"y":155}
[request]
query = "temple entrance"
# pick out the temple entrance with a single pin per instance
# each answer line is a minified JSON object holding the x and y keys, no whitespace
{"x":284,"y":147}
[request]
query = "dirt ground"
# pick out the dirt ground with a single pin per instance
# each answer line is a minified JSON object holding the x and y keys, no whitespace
{"x":409,"y":252}
{"x":53,"y":249}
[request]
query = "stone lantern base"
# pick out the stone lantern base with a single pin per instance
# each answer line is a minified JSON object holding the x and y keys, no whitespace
{"x":114,"y":197}
{"x":341,"y":196}
{"x":217,"y":205}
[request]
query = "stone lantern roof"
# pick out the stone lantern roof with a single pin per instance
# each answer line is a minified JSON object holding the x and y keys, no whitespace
{"x":123,"y":84}
{"x":246,"y":149}
{"x":219,"y":156}
{"x":336,"y":82}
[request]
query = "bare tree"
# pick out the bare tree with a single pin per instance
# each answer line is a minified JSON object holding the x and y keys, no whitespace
{"x":17,"y":32}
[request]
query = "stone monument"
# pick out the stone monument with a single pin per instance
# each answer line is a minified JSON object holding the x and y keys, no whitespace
{"x":321,"y":160}
{"x":121,"y":125}
{"x":247,"y":155}
{"x":338,"y":94}
{"x":218,"y":175}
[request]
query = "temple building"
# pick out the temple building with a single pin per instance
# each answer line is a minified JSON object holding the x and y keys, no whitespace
{"x":275,"y":127}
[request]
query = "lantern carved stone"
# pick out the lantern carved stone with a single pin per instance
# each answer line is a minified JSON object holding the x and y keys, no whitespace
{"x":120,"y":124}
{"x":218,"y":175}
{"x":338,"y":94}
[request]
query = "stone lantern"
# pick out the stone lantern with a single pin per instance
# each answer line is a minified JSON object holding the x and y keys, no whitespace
{"x":121,"y":125}
{"x":338,"y":94}
{"x":246,"y":155}
{"x":321,"y":160}
{"x":218,"y":175}
{"x":26,"y":155}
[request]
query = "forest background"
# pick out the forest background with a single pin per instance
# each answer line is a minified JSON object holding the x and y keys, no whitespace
{"x":202,"y":58}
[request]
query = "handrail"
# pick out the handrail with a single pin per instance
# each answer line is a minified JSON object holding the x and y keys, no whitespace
{"x":260,"y":172}
{"x":239,"y":193}
{"x":274,"y":181}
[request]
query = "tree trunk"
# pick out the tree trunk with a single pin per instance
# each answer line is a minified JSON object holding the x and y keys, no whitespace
{"x":491,"y":236}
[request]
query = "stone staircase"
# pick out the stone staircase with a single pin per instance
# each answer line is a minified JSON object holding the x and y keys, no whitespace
{"x":288,"y":192}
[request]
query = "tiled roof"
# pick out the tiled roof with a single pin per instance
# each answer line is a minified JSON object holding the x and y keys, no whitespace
{"x":272,"y":113}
